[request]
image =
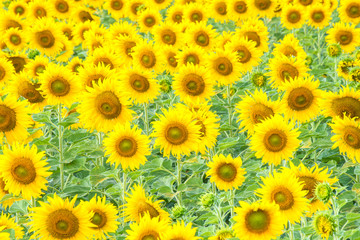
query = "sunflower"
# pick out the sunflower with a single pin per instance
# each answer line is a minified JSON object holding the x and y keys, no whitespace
{"x":148,"y":56}
{"x":274,"y":140}
{"x":349,"y":11}
{"x":67,"y":29}
{"x":293,"y":16}
{"x":37,"y":66}
{"x":301,"y":99}
{"x":158,"y":4}
{"x":257,"y":221}
{"x":247,"y":54}
{"x":67,"y":50}
{"x":103,"y":216}
{"x":9,"y":20}
{"x":263,"y":8}
{"x":9,"y":223}
{"x":121,"y":29}
{"x":324,"y":224}
{"x":290,"y":47}
{"x":23,"y":171}
{"x":62,"y":9}
{"x":9,"y":201}
{"x":176,"y":132}
{"x":116,"y":8}
{"x":14,"y":40}
{"x":255,"y":108}
{"x":4,"y":235}
{"x":193,"y":54}
{"x":346,"y":102}
{"x":82,"y":14}
{"x":59,"y":219}
{"x":168,"y":34}
{"x":196,"y":12}
{"x":171,"y":62}
{"x":223,"y":39}
{"x":103,"y":106}
{"x":224,"y":66}
{"x":22,"y":86}
{"x":90,"y":74}
{"x":18,"y":7}
{"x":140,"y":85}
{"x":345,"y":66}
{"x":148,"y":19}
{"x":318,"y":16}
{"x":75,"y":64}
{"x":6,"y":71}
{"x":201,"y":35}
{"x":282,"y":69}
{"x":286,"y":191}
{"x":46,"y":37}
{"x":14,"y":119}
{"x":105,"y":55}
{"x":58,"y":84}
{"x":37,"y":10}
{"x":133,"y":8}
{"x":181,"y":231}
{"x":238,"y":10}
{"x":310,"y":178}
{"x":124,"y":46}
{"x":344,"y":34}
{"x":147,"y":228}
{"x":223,"y":234}
{"x":18,"y":60}
{"x":226,"y":172}
{"x":93,"y":41}
{"x":127,"y":146}
{"x":218,"y":9}
{"x":254,"y":30}
{"x":347,"y":137}
{"x":175,"y":14}
{"x":139,"y":207}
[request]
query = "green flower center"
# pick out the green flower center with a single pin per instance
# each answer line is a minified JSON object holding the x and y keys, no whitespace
{"x":257,"y":221}
{"x":62,"y":225}
{"x":227,"y":172}
{"x":275,"y":140}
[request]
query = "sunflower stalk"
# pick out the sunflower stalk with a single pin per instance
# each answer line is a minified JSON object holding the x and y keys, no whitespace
{"x":123,"y":195}
{"x":228,"y":93}
{"x":146,"y":119}
{"x":100,"y":160}
{"x":336,"y":210}
{"x":179,"y":168}
{"x":61,"y":152}
{"x":291,"y":232}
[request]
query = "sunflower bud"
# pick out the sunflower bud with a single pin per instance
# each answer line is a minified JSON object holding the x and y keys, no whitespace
{"x":165,"y":85}
{"x":223,"y":234}
{"x":178,"y":211}
{"x":355,"y":74}
{"x":324,"y":225}
{"x":207,"y":200}
{"x":357,"y":55}
{"x":334,"y":50}
{"x":258,"y":79}
{"x":308,"y":61}
{"x":232,"y":92}
{"x":33,"y":53}
{"x":323,"y":192}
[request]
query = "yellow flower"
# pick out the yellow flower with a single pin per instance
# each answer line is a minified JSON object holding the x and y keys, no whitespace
{"x":116,"y":8}
{"x":290,"y":47}
{"x":254,"y":30}
{"x":257,"y":221}
{"x":124,"y":46}
{"x":90,"y":74}
{"x":180,"y":231}
{"x":6,"y":203}
{"x":196,"y":12}
{"x":238,"y":10}
{"x":226,"y":172}
{"x":344,"y":34}
{"x":218,"y":9}
{"x":201,"y":35}
{"x":148,"y":19}
{"x":349,"y":11}
{"x":324,"y":225}
{"x":14,"y":39}
{"x":62,"y":9}
{"x":168,"y":34}
{"x":171,"y":62}
{"x":127,"y":146}
{"x":158,"y":4}
{"x":19,"y":7}
{"x":37,"y":10}
{"x":37,"y":66}
{"x":274,"y":140}
{"x":147,"y":228}
{"x":286,"y":191}
{"x":175,"y":14}
{"x":148,"y":56}
{"x":9,"y":223}
{"x":318,"y":15}
{"x":263,"y":8}
{"x":191,"y":54}
{"x":105,"y":55}
{"x":10,"y":20}
{"x":59,"y":219}
{"x":82,"y":14}
{"x":6,"y":71}
{"x":293,"y":16}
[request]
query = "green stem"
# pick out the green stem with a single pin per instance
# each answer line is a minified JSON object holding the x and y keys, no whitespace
{"x":179,"y":167}
{"x":291,"y":231}
{"x":303,"y":225}
{"x":61,"y":152}
{"x":228,"y":93}
{"x":336,"y":210}
{"x":123,"y":195}
{"x":232,"y":201}
{"x":100,"y":160}
{"x":146,"y":120}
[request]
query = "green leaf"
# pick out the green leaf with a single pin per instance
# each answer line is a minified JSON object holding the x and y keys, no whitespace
{"x":348,"y":195}
{"x":352,"y":216}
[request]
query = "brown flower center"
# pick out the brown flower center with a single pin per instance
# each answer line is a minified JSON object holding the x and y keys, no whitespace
{"x":171,"y":59}
{"x":135,"y":7}
{"x":223,"y":66}
{"x":293,"y":16}
{"x":309,"y":186}
{"x":148,"y":59}
{"x":62,"y":224}
{"x":353,"y":10}
{"x":23,"y":171}
{"x":149,"y":21}
{"x":253,"y":36}
{"x":257,"y":221}
{"x":289,"y":51}
{"x":39,"y":69}
{"x":317,"y":16}
{"x":61,"y":6}
{"x":144,"y":207}
{"x":202,"y":39}
{"x":346,"y":105}
{"x":85,"y":16}
{"x":177,"y":17}
{"x":40,"y":12}
{"x":7,"y":118}
{"x":15,"y":39}
{"x":240,"y":7}
{"x":193,"y":84}
{"x":191,"y":58}
{"x":12,"y":24}
{"x":352,"y":136}
{"x":227,"y":172}
{"x":344,"y":37}
{"x":108,"y":104}
{"x":262,"y":4}
{"x":260,"y":112}
{"x":28,"y":91}
{"x":18,"y":63}
{"x":176,"y":133}
{"x":196,"y":16}
{"x":45,"y":39}
{"x":168,"y":37}
{"x":95,"y":78}
{"x":59,"y":86}
{"x":128,"y":45}
{"x":126,"y":147}
{"x":104,"y":60}
{"x":151,"y":236}
{"x":306,"y":2}
{"x":99,"y":218}
{"x":300,"y":99}
{"x":2,"y":73}
{"x":19,"y":10}
{"x":283,"y":197}
{"x":288,"y":71}
{"x":139,"y":83}
{"x":221,"y":8}
{"x":117,"y":5}
{"x":275,"y":140}
{"x":244,"y":55}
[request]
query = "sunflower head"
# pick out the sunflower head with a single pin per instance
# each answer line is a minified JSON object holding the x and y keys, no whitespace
{"x":334,"y":50}
{"x":324,"y":225}
{"x":259,"y":79}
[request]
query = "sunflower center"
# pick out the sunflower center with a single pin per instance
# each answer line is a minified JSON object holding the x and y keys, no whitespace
{"x":7,"y":118}
{"x":85,"y":16}
{"x":40,"y":12}
{"x":346,"y":105}
{"x":45,"y":39}
{"x":306,"y":2}
{"x":104,"y":60}
{"x":202,"y":128}
{"x":300,"y":99}
{"x":171,"y":59}
{"x":289,"y":51}
{"x":221,"y":8}
{"x":223,"y":66}
{"x":151,"y":236}
{"x":244,"y":55}
{"x":176,"y":133}
{"x":2,"y":72}
{"x":139,"y":83}
{"x":318,"y":16}
{"x":145,"y":207}
{"x":240,"y":7}
{"x":275,"y":140}
{"x":309,"y":185}
{"x":352,"y":136}
{"x":196,"y":16}
{"x":262,"y":4}
{"x":253,"y":36}
{"x":128,"y":45}
{"x":117,"y":5}
{"x":283,"y":197}
{"x":177,"y":17}
{"x":260,"y":112}
{"x":18,"y":63}
{"x":15,"y":39}
{"x":202,"y":39}
{"x":149,"y":21}
{"x":344,"y":37}
{"x":126,"y":147}
{"x":2,"y":186}
{"x":39,"y":69}
{"x":23,"y":170}
{"x":108,"y":104}
{"x":94,"y":79}
{"x":99,"y":218}
{"x":62,"y":224}
{"x":169,"y":37}
{"x":257,"y":221}
{"x":193,"y":84}
{"x":59,"y":87}
{"x":61,"y":6}
{"x":353,"y":10}
{"x":20,"y":10}
{"x":294,"y":17}
{"x":28,"y":91}
{"x":227,"y":172}
{"x":148,"y":59}
{"x":288,"y":71}
{"x":192,"y":59}
{"x":13,"y":24}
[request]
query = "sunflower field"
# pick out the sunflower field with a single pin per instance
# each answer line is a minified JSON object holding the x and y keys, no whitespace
{"x":180,"y":119}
